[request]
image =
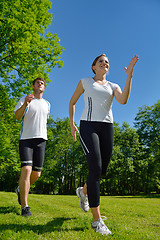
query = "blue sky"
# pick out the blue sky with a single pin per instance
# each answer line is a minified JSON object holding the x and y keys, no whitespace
{"x":120,"y":29}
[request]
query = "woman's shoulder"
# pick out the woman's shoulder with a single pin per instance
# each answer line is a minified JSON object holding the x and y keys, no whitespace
{"x":86,"y":81}
{"x":113,"y":85}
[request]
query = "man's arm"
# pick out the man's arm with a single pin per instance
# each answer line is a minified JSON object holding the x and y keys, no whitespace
{"x":20,"y":111}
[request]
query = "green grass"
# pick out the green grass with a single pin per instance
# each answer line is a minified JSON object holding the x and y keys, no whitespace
{"x":60,"y":217}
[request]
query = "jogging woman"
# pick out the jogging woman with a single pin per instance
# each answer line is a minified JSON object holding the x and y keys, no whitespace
{"x":96,"y":130}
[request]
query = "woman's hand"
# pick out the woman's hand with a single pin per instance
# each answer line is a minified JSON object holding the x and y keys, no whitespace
{"x":74,"y":130}
{"x":122,"y":97}
{"x":131,"y":65}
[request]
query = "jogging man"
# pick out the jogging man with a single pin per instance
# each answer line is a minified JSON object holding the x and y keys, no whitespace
{"x":34,"y":111}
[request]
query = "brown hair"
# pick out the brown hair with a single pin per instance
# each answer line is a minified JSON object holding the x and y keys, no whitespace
{"x":96,"y":59}
{"x":38,"y":78}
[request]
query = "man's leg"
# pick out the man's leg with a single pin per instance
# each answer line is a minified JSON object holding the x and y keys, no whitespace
{"x":34,"y":177}
{"x":26,"y":156}
{"x":38,"y":159}
{"x":27,"y":178}
{"x":24,"y":184}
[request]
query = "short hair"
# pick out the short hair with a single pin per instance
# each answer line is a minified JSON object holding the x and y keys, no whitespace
{"x":96,"y":59}
{"x":39,"y":78}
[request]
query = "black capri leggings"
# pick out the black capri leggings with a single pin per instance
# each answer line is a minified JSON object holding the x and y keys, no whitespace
{"x":97,"y":142}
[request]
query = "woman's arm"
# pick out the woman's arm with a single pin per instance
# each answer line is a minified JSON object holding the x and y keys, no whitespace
{"x":78,"y":92}
{"x":122,"y":97}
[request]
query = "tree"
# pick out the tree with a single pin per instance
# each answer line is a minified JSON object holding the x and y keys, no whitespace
{"x":122,"y":175}
{"x":9,"y":136}
{"x":66,"y":156}
{"x":26,"y":50}
{"x":147,"y":123}
{"x":65,"y":164}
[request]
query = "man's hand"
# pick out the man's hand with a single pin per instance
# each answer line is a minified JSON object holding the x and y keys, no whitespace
{"x":29,"y":98}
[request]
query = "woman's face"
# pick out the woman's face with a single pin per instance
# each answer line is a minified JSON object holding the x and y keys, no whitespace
{"x":102,"y":65}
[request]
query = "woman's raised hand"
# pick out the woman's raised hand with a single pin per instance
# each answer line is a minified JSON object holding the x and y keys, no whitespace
{"x":131,"y":65}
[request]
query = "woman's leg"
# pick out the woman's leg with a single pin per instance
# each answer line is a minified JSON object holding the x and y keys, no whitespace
{"x":84,"y":189}
{"x":106,"y":145}
{"x":90,"y":144}
{"x":96,"y":213}
{"x":94,"y":151}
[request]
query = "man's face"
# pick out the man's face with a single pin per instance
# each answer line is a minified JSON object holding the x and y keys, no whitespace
{"x":39,"y":86}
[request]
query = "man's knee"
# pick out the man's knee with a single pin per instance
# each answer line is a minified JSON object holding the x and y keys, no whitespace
{"x":36,"y":174}
{"x":26,"y":171}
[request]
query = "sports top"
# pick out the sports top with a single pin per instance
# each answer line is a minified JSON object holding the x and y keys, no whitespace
{"x":34,"y":120}
{"x":98,"y":100}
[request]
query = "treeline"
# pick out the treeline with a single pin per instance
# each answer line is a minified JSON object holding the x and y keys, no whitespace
{"x":28,"y":50}
{"x":134,"y":167}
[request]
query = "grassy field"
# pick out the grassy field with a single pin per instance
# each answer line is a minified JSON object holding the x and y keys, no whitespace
{"x":60,"y":217}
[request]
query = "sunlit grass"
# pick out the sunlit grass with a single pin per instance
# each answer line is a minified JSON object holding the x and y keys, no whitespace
{"x":60,"y":217}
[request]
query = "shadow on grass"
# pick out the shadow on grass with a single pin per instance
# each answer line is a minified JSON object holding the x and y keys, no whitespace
{"x":55,"y":225}
{"x":11,"y":209}
{"x":139,"y":196}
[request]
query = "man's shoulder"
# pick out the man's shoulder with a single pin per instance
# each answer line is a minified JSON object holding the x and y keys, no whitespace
{"x":46,"y":101}
{"x":19,"y":103}
{"x":22,"y":99}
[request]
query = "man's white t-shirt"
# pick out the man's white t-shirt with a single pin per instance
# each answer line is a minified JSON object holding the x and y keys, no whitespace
{"x":34,"y":121}
{"x":98,"y":100}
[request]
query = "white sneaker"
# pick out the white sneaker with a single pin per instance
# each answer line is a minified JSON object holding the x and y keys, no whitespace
{"x":100,"y":227}
{"x":84,"y":205}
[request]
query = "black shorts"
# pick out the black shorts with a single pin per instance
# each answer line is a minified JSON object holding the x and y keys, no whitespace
{"x":32,"y":153}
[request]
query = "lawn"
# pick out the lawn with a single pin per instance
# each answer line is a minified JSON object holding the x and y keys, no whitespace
{"x":60,"y":217}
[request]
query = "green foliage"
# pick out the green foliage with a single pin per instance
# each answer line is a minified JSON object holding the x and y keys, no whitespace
{"x":26,"y":49}
{"x":123,"y":167}
{"x":9,"y":135}
{"x":64,"y":160}
{"x":60,"y":218}
{"x":133,"y":169}
{"x":147,"y":123}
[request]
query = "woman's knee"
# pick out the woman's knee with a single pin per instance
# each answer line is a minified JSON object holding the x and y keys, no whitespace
{"x":96,"y":173}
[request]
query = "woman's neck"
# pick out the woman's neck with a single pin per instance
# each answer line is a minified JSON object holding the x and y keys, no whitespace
{"x":100,"y":77}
